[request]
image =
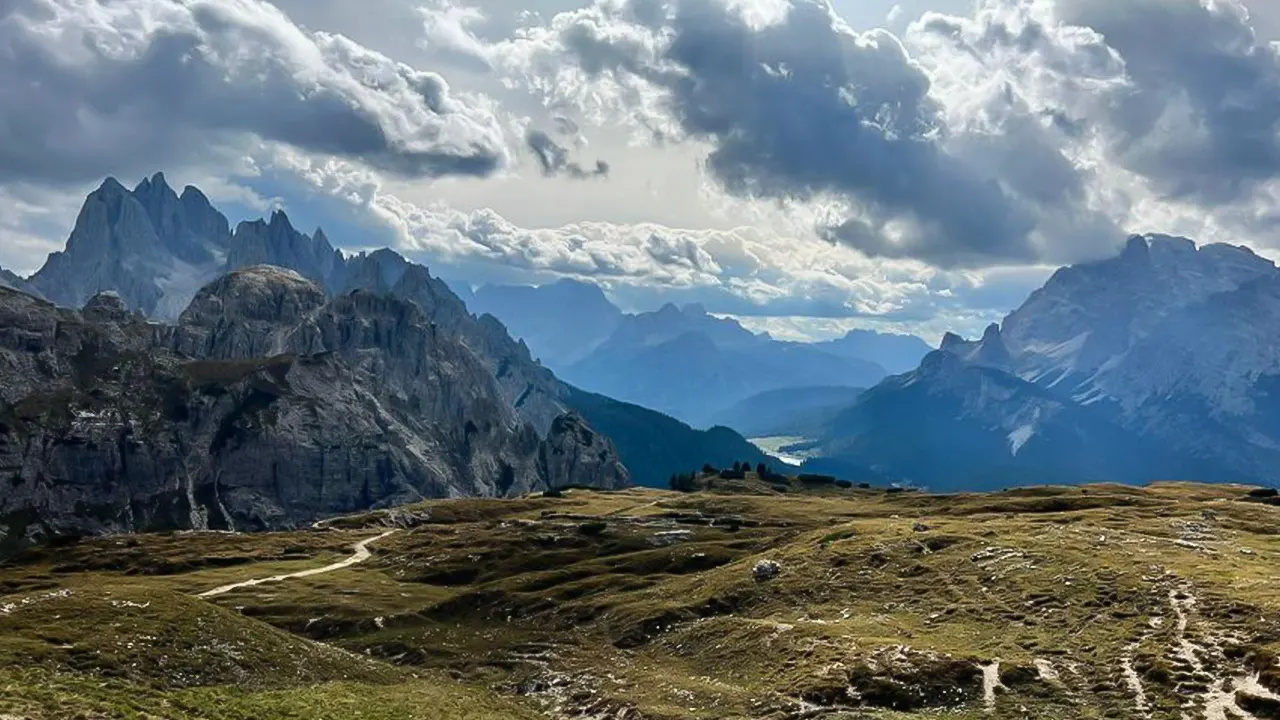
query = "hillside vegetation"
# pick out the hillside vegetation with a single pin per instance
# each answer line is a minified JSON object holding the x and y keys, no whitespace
{"x":744,"y":599}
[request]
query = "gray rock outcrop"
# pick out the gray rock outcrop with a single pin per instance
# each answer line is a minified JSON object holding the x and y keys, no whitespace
{"x":266,"y":406}
{"x":157,"y":249}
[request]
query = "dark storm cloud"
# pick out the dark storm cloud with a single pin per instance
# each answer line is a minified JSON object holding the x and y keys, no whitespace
{"x":804,"y":109}
{"x":1202,"y":120}
{"x":87,"y":91}
{"x":554,"y":160}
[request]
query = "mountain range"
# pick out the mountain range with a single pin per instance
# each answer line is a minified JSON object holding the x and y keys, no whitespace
{"x":562,"y":322}
{"x":682,"y":360}
{"x":789,"y":412}
{"x":164,"y":371}
{"x":1160,"y":363}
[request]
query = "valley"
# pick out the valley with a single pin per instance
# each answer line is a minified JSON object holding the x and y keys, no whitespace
{"x":746,"y":599}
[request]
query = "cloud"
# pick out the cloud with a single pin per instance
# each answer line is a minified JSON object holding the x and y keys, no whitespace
{"x":93,"y":87}
{"x":448,"y":34}
{"x":1179,"y":93}
{"x":747,"y":271}
{"x":554,"y":160}
{"x":799,"y":108}
{"x":1201,"y":115}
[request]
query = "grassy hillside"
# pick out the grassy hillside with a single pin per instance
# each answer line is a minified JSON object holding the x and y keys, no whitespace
{"x":747,"y":599}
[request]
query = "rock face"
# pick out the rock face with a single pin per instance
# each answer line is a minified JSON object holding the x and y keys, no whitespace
{"x":266,"y":406}
{"x":574,"y":450}
{"x":13,"y":282}
{"x":156,"y":250}
{"x":953,"y":425}
{"x":1168,"y":347}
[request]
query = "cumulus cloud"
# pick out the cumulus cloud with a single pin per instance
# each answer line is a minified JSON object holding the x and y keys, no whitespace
{"x":1201,"y":117}
{"x":1181,"y":94}
{"x":743,"y":271}
{"x":88,"y":86}
{"x":798,"y":107}
{"x":935,"y":166}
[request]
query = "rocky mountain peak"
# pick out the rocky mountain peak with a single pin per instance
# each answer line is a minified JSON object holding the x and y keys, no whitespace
{"x":156,"y":184}
{"x":13,"y":281}
{"x":280,"y":221}
{"x":276,"y":242}
{"x":991,"y":350}
{"x":1088,"y":316}
{"x":106,"y":307}
{"x":176,"y":231}
{"x":952,"y":343}
{"x":109,"y":188}
{"x":574,"y":450}
{"x":112,"y":219}
{"x":1136,"y":249}
{"x":260,"y":292}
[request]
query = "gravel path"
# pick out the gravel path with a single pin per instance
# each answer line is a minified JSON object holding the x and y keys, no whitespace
{"x":361,"y":554}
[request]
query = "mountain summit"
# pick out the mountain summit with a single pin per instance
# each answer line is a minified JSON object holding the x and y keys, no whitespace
{"x":268,"y":405}
{"x":156,"y":248}
{"x":225,"y":295}
{"x":1159,"y":363}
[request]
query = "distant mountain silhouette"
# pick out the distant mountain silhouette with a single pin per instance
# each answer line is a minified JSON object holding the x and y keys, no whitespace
{"x":1160,"y":363}
{"x":692,"y":365}
{"x":796,"y":412}
{"x":561,"y":322}
{"x":894,"y":353}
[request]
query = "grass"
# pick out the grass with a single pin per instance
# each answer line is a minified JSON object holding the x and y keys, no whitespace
{"x":645,"y":603}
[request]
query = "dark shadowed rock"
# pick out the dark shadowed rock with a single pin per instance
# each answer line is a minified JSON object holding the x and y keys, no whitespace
{"x":574,"y":451}
{"x":266,"y":406}
{"x":106,"y":307}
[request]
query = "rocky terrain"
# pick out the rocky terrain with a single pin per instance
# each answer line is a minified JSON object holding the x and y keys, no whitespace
{"x":761,"y":598}
{"x":267,"y":405}
{"x":155,"y":249}
{"x":13,"y":282}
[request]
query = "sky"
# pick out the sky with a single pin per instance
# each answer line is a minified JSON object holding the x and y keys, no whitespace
{"x":803,"y":165}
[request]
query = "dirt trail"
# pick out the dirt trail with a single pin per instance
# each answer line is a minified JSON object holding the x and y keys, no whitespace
{"x":361,"y":554}
{"x":1133,"y":681}
{"x":1222,"y":704}
{"x":1220,"y":701}
{"x":990,"y":684}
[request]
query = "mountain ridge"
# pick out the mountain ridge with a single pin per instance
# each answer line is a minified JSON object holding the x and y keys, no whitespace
{"x":171,"y":238}
{"x":267,"y":406}
{"x":1167,"y":344}
{"x":692,"y":365}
